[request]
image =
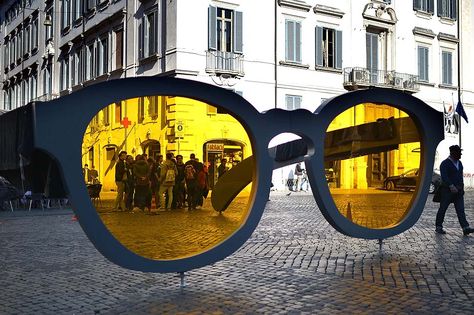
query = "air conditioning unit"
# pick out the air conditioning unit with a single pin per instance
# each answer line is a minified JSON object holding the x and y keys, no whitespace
{"x":398,"y":82}
{"x":359,"y":75}
{"x":409,"y":85}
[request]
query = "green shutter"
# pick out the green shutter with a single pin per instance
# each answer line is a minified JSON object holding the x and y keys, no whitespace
{"x":238,"y":43}
{"x":338,"y":49}
{"x":319,"y":46}
{"x":212,"y":28}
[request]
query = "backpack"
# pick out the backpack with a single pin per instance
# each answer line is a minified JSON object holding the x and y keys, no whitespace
{"x":170,"y":176}
{"x":189,"y":172}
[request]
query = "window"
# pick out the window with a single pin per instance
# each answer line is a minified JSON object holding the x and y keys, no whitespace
{"x":33,"y":86}
{"x":102,"y":59}
{"x":148,"y":34}
{"x":6,"y":53}
{"x":106,"y":116}
{"x":423,"y":5}
{"x":328,"y":48}
{"x":423,"y":64}
{"x":89,"y":62}
{"x":47,"y":80}
{"x":118,"y":35}
{"x":34,"y":34}
{"x":118,"y":113}
{"x":292,"y":41}
{"x":64,"y":79}
{"x":153,"y":106}
{"x":20,"y":44}
{"x":447,"y":68}
{"x":26,"y":39}
{"x":293,"y":102}
{"x":77,"y":11}
{"x":66,"y":14}
{"x":90,"y":4}
{"x":225,"y":30}
{"x":48,"y":30}
{"x":447,"y":9}
{"x":141,"y":110}
{"x":76,"y":71}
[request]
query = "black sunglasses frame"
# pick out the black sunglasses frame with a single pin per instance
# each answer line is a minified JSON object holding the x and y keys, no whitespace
{"x":60,"y":126}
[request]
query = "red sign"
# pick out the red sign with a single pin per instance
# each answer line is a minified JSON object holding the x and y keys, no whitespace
{"x":125,"y":122}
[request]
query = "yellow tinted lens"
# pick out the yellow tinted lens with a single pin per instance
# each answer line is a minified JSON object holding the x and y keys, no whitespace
{"x":157,"y":205}
{"x":372,"y":161}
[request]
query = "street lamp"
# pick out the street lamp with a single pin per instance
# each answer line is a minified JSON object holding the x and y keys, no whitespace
{"x":48,"y":21}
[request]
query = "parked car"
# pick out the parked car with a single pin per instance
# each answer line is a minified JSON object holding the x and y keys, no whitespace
{"x":407,"y":181}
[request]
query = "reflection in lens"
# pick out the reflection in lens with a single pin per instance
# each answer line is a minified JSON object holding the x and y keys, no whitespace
{"x":372,"y":161}
{"x":155,"y":198}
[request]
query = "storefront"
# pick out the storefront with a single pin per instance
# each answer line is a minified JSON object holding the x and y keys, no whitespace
{"x":216,"y":150}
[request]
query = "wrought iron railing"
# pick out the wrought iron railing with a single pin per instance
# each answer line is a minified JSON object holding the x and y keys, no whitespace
{"x":356,"y":77}
{"x":222,"y":62}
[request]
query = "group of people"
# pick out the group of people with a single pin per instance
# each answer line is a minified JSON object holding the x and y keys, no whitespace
{"x":171,"y":182}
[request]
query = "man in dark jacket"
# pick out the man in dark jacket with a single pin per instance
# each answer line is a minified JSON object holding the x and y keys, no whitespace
{"x":452,"y":190}
{"x":120,"y":178}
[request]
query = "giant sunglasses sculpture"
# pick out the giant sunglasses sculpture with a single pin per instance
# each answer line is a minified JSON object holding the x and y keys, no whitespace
{"x":365,"y":135}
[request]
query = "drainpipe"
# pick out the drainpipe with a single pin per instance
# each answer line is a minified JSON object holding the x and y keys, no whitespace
{"x":458,"y":12}
{"x":276,"y":54}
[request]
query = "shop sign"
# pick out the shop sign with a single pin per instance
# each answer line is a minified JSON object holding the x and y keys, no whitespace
{"x":216,"y":147}
{"x":179,"y":130}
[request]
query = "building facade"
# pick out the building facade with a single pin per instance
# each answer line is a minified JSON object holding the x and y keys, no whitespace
{"x":286,"y":54}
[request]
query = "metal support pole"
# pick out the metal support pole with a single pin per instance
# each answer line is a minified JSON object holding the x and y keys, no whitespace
{"x":182,"y":278}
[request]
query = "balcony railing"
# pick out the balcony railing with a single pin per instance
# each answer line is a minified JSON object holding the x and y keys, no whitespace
{"x":222,"y":62}
{"x":357,"y":78}
{"x":46,"y":97}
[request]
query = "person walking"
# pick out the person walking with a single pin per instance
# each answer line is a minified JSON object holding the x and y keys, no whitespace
{"x":167,"y":180}
{"x":120,"y":178}
{"x":221,"y":169}
{"x":299,"y":177}
{"x":179,"y":187}
{"x":141,"y":172}
{"x":129,"y":183}
{"x":452,"y":190}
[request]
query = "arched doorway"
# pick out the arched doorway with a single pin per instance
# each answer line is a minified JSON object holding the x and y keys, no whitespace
{"x":215,"y":150}
{"x":151,"y":147}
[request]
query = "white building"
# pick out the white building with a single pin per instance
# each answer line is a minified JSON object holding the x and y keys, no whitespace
{"x":278,"y":54}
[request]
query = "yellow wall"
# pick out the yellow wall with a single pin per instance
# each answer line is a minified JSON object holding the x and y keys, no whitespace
{"x":201,"y":124}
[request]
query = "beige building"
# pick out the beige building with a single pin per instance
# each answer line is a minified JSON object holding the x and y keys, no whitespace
{"x":277,"y":54}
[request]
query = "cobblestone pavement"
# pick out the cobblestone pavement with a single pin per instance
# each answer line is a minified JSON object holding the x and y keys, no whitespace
{"x":293,"y":263}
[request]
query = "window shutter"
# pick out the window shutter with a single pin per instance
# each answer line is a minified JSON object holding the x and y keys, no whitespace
{"x":416,"y":4}
{"x":430,"y":8}
{"x":297,"y":103}
{"x":319,"y":46}
{"x":289,"y":102}
{"x":238,"y":43}
{"x":338,"y":49}
{"x":297,"y":42}
{"x":450,"y":68}
{"x":420,"y":64}
{"x":140,"y":40}
{"x":440,"y":8}
{"x":212,"y":28}
{"x":454,"y":14}
{"x":289,"y":40}
{"x":146,"y":36}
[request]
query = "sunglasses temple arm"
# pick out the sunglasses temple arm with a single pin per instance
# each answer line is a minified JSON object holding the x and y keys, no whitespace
{"x":238,"y":177}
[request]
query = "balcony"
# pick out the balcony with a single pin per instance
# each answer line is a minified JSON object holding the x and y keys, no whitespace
{"x":359,"y":78}
{"x":46,"y":97}
{"x":225,"y":63}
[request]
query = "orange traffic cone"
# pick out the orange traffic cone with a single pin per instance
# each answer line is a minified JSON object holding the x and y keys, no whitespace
{"x":349,"y":212}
